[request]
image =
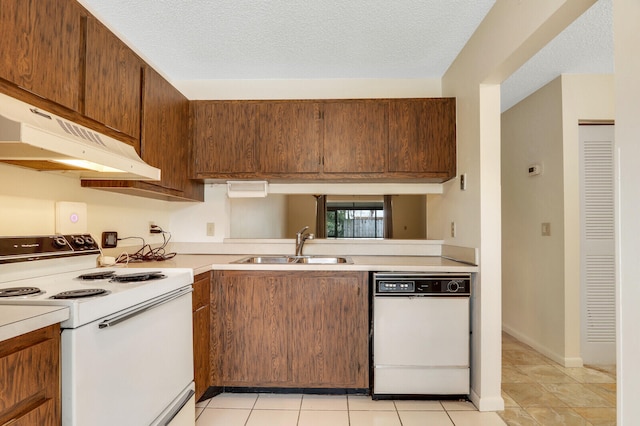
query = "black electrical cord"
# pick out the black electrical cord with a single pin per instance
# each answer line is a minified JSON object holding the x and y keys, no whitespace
{"x":146,"y":252}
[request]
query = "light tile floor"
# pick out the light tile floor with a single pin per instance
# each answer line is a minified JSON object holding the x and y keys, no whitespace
{"x":538,"y":391}
{"x":232,"y":409}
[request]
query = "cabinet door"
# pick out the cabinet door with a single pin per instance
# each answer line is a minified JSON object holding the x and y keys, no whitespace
{"x":30,"y":378}
{"x":290,"y":137}
{"x":224,"y":137}
{"x":422,"y":136}
{"x":201,"y":333}
{"x":165,"y":130}
{"x":41,"y":48}
{"x":329,"y":336}
{"x":355,"y":136}
{"x":113,"y":80}
{"x":255,"y":326}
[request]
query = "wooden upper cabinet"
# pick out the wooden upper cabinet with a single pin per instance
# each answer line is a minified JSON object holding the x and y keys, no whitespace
{"x":422,"y":136}
{"x":290,"y":137}
{"x":351,"y":140}
{"x":113,"y":80}
{"x":224,"y":137}
{"x":165,"y":131}
{"x":41,"y":48}
{"x":355,"y":136}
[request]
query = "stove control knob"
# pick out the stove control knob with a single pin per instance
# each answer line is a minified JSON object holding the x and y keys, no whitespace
{"x":89,"y":241}
{"x":59,"y":242}
{"x":78,"y":241}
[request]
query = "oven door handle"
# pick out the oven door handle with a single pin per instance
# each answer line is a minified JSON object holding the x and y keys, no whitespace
{"x":174,"y":412}
{"x":142,"y":309}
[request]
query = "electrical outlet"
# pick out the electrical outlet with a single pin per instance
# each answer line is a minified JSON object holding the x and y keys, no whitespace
{"x":453,"y":229}
{"x":109,"y":239}
{"x":211,"y":229}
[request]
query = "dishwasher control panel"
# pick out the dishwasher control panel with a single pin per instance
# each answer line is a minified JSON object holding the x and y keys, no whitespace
{"x":421,"y":284}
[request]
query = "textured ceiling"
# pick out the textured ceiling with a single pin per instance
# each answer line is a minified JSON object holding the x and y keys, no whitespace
{"x":309,"y":39}
{"x":584,"y":47}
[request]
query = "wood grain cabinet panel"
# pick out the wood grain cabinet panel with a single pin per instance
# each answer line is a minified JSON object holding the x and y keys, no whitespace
{"x":290,"y":137}
{"x":113,"y":80}
{"x":224,"y":137}
{"x":254,"y":323}
{"x":41,"y":48}
{"x":326,"y":140}
{"x":329,"y":330}
{"x":30,"y":378}
{"x":201,"y":333}
{"x":165,"y":131}
{"x":355,"y":136}
{"x":293,"y":329}
{"x":165,"y":143}
{"x":422,"y":136}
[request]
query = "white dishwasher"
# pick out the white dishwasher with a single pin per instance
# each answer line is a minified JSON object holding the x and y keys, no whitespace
{"x":420,"y":334}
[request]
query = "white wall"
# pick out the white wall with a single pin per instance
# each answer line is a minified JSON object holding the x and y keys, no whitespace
{"x":533,"y":265}
{"x":511,"y":33}
{"x":626,"y":15}
{"x":27,"y":206}
{"x":541,"y":275}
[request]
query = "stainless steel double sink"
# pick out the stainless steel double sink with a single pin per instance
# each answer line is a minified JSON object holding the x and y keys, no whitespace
{"x":280,"y":260}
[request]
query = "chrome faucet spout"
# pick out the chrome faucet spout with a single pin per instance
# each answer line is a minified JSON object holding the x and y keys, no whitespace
{"x":301,"y":237}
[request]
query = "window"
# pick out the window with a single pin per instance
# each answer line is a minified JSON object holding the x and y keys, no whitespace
{"x":355,"y":219}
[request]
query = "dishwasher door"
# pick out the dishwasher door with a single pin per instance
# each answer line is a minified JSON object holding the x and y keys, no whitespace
{"x":421,"y":345}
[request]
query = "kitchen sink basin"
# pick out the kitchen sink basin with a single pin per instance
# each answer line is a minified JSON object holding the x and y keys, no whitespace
{"x":312,"y":260}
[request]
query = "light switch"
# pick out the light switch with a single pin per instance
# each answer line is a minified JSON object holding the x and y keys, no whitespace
{"x":546,"y":229}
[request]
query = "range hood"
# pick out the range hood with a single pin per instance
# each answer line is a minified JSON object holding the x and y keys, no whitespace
{"x":33,"y":138}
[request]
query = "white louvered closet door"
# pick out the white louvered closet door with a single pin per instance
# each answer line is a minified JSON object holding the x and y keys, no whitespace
{"x":598,"y":308}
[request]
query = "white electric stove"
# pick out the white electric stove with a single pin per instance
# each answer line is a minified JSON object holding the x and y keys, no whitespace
{"x":127,"y":349}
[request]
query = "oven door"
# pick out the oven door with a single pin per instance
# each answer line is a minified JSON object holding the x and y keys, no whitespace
{"x":127,"y":369}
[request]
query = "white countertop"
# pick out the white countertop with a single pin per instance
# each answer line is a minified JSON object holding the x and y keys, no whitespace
{"x":16,"y":320}
{"x":206,"y":262}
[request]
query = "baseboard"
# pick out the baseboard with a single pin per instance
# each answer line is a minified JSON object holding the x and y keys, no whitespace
{"x":494,"y":403}
{"x":560,"y":359}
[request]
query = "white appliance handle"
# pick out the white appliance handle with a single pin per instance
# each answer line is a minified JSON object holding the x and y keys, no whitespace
{"x":144,"y":308}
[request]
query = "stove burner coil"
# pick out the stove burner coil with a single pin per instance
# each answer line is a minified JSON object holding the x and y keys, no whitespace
{"x":101,"y":275}
{"x":79,"y":294}
{"x":138,"y":276}
{"x":19,"y":291}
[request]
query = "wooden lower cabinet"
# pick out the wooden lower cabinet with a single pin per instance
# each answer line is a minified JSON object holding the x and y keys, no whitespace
{"x":30,"y":378}
{"x":303,"y":329}
{"x":201,"y":333}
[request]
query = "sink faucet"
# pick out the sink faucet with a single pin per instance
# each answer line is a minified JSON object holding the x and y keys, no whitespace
{"x":301,"y":237}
